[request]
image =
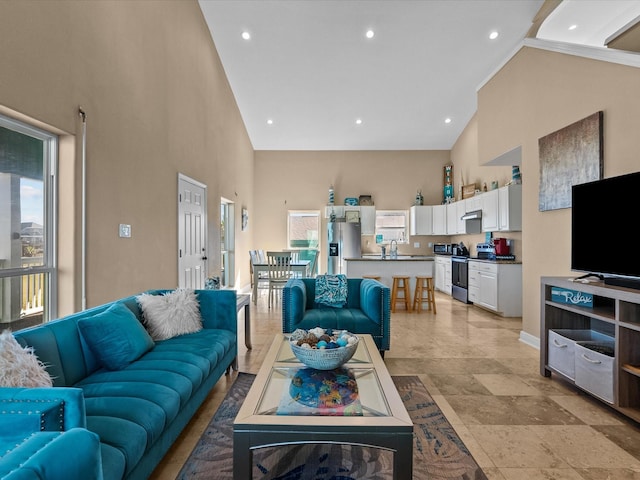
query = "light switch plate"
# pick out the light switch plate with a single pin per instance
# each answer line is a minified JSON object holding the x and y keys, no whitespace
{"x":125,"y":230}
{"x":416,"y":245}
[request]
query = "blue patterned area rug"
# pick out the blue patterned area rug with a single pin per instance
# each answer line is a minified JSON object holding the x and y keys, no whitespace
{"x":438,"y":452}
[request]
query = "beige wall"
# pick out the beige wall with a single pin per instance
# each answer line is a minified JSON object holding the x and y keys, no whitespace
{"x":467,"y":170}
{"x":539,"y":92}
{"x":287,"y":180}
{"x":157,"y":104}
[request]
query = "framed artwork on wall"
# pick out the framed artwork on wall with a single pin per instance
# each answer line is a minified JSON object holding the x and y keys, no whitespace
{"x":245,"y":219}
{"x":569,"y":156}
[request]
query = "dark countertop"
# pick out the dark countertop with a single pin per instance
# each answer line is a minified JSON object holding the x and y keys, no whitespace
{"x":485,"y":260}
{"x":401,"y":258}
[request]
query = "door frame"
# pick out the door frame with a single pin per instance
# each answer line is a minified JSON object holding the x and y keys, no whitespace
{"x":228,"y":246}
{"x":205,"y":227}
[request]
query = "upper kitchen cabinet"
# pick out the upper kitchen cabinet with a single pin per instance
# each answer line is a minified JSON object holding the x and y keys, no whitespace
{"x":510,"y":208}
{"x":421,"y":222}
{"x":490,"y":205}
{"x":502,"y":209}
{"x":474,"y":203}
{"x":367,"y":220}
{"x":440,"y":220}
{"x":337,"y":210}
{"x":461,"y":209}
{"x":367,"y":215}
{"x":455,"y":212}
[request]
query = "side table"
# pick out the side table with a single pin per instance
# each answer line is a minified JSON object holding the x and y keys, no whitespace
{"x":244,"y":300}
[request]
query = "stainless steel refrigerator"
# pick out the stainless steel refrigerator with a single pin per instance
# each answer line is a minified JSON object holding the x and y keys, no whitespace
{"x":343,"y":242}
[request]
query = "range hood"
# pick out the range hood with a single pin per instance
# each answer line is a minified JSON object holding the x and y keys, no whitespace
{"x":474,"y":215}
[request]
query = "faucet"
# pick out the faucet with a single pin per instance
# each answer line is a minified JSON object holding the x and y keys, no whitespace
{"x":393,"y":247}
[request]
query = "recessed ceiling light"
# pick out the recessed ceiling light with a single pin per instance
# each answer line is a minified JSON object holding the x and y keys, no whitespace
{"x":246,"y":35}
{"x":573,"y":27}
{"x":493,"y":35}
{"x":358,"y":121}
{"x":447,"y":120}
{"x":370,"y":33}
{"x":269,"y":122}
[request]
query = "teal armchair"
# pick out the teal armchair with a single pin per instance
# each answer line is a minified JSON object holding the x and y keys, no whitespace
{"x":41,"y":426}
{"x":368,"y":309}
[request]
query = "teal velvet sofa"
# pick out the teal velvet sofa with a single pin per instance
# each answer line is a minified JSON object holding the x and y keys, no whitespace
{"x":368,"y":309}
{"x":114,"y":423}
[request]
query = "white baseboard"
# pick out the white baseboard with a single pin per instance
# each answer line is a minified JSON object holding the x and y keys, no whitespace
{"x":529,"y":339}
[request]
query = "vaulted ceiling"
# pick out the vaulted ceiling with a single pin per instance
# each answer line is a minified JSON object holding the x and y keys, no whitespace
{"x":309,"y":78}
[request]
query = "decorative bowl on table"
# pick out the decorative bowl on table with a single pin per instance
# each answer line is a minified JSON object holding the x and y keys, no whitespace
{"x":323,"y":349}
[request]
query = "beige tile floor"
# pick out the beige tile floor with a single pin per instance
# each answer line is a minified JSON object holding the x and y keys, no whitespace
{"x":517,"y":424}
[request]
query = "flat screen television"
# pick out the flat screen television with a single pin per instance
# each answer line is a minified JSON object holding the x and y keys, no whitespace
{"x":603,"y":224}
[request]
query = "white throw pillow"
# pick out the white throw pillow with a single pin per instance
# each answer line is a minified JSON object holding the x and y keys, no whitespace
{"x":171,"y":314}
{"x":19,"y":367}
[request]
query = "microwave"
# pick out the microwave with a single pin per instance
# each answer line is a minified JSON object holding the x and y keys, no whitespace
{"x":443,"y":248}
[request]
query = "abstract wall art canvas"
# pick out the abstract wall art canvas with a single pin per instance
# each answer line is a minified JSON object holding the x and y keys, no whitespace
{"x":569,"y":156}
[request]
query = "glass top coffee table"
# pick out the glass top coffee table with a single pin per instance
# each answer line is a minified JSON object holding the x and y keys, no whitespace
{"x":359,"y":406}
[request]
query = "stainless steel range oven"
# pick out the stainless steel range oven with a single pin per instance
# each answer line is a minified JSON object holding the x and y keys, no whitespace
{"x":460,"y":278}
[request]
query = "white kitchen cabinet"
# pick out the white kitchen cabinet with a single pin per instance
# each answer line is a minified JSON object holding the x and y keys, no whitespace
{"x":510,"y":208}
{"x":367,"y":215}
{"x":439,"y":219}
{"x":338,"y":210}
{"x":443,"y":274}
{"x":461,"y":209}
{"x":473,"y":203}
{"x":490,"y":202}
{"x":473,"y":282}
{"x":488,"y":287}
{"x":496,"y":287}
{"x":367,"y":220}
{"x":455,"y":224}
{"x":421,"y":222}
{"x":452,"y":222}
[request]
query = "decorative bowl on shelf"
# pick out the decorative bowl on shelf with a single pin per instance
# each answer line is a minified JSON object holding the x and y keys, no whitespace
{"x":323,"y":349}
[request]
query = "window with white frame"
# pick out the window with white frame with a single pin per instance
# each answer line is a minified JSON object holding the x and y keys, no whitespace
{"x":392,"y":225}
{"x":303,"y":229}
{"x":27,"y":225}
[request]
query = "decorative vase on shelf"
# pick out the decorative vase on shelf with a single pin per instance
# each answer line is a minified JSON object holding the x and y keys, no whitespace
{"x":331,"y":195}
{"x":515,"y":174}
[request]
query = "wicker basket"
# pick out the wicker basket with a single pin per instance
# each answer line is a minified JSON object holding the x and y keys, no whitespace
{"x":326,"y":358}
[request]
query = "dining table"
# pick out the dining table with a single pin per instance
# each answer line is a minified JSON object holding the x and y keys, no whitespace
{"x":298,"y":267}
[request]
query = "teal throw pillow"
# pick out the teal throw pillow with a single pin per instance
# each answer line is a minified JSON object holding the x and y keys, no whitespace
{"x":115,"y":336}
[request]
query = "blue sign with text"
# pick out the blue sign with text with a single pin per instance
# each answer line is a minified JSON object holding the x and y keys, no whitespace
{"x":571,"y":297}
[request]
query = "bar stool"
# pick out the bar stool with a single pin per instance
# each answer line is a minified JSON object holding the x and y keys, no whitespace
{"x":374,"y":277}
{"x":424,"y":285}
{"x":400,"y":284}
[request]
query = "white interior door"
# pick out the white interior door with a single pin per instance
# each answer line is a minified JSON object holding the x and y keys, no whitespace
{"x":192,"y":233}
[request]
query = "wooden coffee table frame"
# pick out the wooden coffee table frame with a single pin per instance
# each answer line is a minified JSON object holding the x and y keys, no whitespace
{"x":392,"y":431}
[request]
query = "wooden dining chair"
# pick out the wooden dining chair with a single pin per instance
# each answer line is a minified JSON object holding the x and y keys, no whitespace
{"x":263,"y":277}
{"x":279,"y":264}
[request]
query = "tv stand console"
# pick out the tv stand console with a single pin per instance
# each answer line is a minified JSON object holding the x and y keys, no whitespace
{"x":623,"y":282}
{"x":574,"y":337}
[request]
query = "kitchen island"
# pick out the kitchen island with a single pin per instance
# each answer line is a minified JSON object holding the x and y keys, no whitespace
{"x":386,"y":268}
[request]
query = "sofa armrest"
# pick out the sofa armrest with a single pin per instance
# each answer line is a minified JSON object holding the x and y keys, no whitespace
{"x":218,"y":309}
{"x":71,"y":455}
{"x":375,"y":301}
{"x":36,"y":409}
{"x":294,"y":304}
